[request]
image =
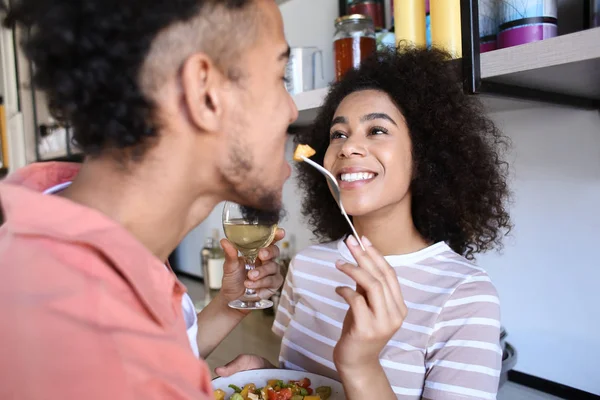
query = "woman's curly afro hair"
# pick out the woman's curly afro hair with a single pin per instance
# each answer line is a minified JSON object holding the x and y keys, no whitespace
{"x":459,"y":188}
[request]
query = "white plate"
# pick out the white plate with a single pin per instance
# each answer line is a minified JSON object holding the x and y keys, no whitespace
{"x":260,"y":377}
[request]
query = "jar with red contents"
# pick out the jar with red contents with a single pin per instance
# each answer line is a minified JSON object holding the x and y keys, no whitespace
{"x":371,"y":8}
{"x":354,"y":41}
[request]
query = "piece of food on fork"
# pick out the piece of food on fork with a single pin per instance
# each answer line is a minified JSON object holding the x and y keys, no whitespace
{"x":303,"y":150}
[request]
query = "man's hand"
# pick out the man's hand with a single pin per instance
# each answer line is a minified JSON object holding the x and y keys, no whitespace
{"x":266,"y":278}
{"x":244,"y":362}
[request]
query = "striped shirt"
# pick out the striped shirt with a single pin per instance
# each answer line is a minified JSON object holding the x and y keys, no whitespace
{"x":448,"y":347}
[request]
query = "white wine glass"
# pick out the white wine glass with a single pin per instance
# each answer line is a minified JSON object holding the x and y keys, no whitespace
{"x":249,"y":234}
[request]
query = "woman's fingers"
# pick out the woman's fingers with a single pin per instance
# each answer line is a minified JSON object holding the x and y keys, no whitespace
{"x":392,"y":286}
{"x":371,"y":260}
{"x":358,"y":305}
{"x":371,"y":286}
{"x":362,"y":258}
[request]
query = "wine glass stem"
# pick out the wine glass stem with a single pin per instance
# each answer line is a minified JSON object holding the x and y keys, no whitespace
{"x":250,"y":265}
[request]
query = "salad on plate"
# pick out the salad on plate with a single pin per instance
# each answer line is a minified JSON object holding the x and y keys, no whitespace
{"x":277,"y":390}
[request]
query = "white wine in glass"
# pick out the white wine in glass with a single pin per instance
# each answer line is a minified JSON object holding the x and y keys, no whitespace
{"x":248,"y":235}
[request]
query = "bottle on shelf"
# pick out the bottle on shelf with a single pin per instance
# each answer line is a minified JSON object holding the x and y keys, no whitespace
{"x":205,"y":255}
{"x":215,"y":262}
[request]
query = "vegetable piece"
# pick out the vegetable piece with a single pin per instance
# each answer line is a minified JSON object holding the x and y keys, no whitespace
{"x":284,"y":394}
{"x":324,"y":392}
{"x":312,"y":398}
{"x":249,"y":388}
{"x":236,"y":396}
{"x":235,"y":388}
{"x":252,"y":396}
{"x":305,"y":383}
{"x":264,"y":392}
{"x":272,"y":382}
{"x":303,"y":150}
{"x":297,"y":397}
{"x":303,"y":392}
{"x":219,"y":394}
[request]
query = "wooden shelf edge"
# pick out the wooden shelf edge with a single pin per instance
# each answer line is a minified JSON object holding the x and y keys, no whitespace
{"x":570,"y":48}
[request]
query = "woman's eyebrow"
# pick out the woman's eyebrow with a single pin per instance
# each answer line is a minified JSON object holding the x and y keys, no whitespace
{"x":373,"y":116}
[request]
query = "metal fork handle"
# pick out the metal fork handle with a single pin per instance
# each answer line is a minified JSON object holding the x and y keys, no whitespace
{"x":331,"y":178}
{"x":352,"y":226}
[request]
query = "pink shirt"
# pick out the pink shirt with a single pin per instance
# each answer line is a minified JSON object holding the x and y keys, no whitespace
{"x":86,"y":310}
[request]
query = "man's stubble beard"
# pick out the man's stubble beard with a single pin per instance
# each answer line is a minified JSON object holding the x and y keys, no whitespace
{"x":258,"y":201}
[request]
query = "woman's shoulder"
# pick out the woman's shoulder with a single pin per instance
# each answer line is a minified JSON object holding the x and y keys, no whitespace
{"x":473,"y":280}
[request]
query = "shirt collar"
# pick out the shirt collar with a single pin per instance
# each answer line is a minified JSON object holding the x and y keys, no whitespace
{"x":27,"y":211}
{"x":398,"y":260}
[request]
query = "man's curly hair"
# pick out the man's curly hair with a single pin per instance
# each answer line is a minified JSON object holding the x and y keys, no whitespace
{"x":459,"y":186}
{"x":89,"y":55}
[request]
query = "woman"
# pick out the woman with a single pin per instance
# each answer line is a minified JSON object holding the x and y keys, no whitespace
{"x":420,"y":171}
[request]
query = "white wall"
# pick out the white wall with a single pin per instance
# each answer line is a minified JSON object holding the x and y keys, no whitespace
{"x":311,"y":23}
{"x":549,"y":272}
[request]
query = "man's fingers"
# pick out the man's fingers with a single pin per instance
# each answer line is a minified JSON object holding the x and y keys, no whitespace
{"x":279,"y":235}
{"x":243,"y":362}
{"x":231,"y":253}
{"x":268,"y":253}
{"x":236,"y":365}
{"x":273,"y":282}
{"x":269,"y":268}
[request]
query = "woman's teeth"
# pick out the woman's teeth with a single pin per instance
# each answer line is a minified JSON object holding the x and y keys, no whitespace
{"x":360,"y":176}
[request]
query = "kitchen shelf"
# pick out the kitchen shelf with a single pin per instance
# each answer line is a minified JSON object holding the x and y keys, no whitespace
{"x":564,"y":65}
{"x":568,"y":65}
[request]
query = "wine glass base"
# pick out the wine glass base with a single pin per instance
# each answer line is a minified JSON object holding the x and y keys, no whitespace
{"x":251,"y":305}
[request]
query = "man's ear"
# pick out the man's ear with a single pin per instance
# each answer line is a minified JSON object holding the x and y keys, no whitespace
{"x":201,"y":81}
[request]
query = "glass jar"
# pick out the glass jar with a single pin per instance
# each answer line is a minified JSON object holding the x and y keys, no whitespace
{"x":372,"y":8}
{"x":354,"y":41}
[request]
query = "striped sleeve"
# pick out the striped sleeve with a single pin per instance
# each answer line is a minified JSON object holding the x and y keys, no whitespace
{"x":287,"y":305}
{"x":464,"y":357}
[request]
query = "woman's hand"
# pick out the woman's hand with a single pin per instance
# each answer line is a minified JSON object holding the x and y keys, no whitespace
{"x":266,"y":278}
{"x":376,"y":311}
{"x":244,"y":362}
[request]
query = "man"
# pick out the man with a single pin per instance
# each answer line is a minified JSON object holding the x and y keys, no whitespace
{"x":178,"y":106}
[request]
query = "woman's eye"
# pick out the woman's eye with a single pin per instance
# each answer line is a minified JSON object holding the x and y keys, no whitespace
{"x":378,"y":131}
{"x":337,"y":135}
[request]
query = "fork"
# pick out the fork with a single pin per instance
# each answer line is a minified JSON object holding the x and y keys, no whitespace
{"x":336,"y":193}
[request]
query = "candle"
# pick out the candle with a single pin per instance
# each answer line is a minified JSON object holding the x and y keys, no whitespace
{"x":409,"y":21}
{"x":445,"y":26}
